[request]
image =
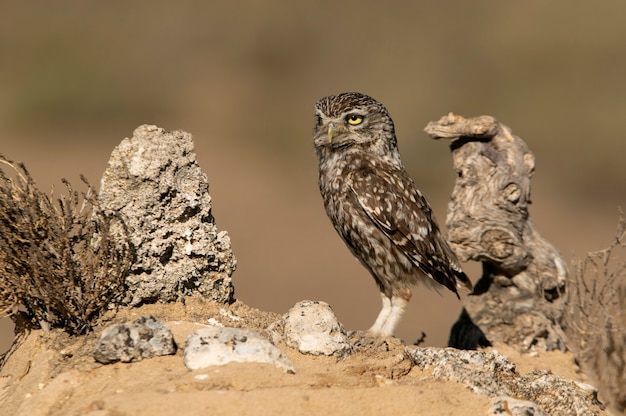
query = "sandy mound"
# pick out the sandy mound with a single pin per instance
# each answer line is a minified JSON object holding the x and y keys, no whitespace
{"x":52,"y":373}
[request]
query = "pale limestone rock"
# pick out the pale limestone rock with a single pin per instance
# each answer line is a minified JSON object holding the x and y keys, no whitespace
{"x":153,"y":180}
{"x":311,"y":327}
{"x":222,"y":345}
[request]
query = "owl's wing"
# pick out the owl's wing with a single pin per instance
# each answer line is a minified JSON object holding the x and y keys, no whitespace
{"x":395,"y":205}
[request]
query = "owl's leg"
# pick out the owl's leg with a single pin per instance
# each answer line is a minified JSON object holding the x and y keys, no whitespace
{"x":382,"y":315}
{"x":398,"y":305}
{"x":390,"y":314}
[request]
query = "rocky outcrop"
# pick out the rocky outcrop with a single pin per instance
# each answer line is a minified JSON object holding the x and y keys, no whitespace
{"x":491,"y":374}
{"x":153,"y":180}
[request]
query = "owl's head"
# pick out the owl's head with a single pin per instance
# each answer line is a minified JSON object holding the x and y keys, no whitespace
{"x":352,"y":120}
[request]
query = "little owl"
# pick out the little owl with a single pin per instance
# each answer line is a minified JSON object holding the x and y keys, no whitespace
{"x":375,"y":206}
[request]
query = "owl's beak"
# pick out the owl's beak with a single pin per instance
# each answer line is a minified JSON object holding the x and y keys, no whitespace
{"x":331,"y":132}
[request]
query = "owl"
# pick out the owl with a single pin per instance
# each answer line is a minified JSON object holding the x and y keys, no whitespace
{"x":376,"y":207}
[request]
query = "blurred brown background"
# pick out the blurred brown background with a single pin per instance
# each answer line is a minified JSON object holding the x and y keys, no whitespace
{"x":76,"y":77}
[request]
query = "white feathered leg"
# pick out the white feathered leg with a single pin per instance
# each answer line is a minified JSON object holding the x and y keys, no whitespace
{"x":382,"y":315}
{"x":389,"y":316}
{"x":398,"y":305}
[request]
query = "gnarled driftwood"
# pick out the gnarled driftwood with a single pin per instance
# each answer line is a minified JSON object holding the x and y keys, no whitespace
{"x":518,"y":300}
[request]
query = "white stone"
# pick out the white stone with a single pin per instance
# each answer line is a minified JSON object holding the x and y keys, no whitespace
{"x":311,"y":327}
{"x":218,"y":346}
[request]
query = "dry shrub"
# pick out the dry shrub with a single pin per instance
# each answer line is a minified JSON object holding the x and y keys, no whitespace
{"x":60,"y":262}
{"x":595,"y":317}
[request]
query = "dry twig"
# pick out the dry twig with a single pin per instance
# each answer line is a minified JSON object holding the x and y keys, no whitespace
{"x":595,"y":317}
{"x":60,"y":263}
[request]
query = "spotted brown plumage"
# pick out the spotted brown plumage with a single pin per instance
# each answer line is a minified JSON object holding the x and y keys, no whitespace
{"x":376,"y":207}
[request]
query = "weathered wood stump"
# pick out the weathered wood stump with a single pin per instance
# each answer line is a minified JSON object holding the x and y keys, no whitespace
{"x":518,"y":300}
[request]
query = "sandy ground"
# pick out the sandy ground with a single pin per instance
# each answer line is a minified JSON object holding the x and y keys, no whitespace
{"x":54,"y":374}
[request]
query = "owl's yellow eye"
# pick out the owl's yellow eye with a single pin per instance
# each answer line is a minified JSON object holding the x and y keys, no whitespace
{"x":354,"y":119}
